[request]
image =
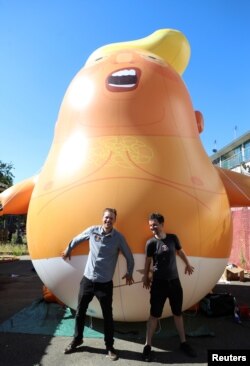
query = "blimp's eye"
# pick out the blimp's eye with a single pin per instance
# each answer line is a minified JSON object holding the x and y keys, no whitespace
{"x":100,"y":58}
{"x":154,"y":59}
{"x":93,"y":61}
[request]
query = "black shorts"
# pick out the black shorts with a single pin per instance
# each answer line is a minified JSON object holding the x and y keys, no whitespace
{"x":160,"y":291}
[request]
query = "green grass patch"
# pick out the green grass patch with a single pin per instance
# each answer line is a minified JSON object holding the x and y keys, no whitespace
{"x":13,"y":249}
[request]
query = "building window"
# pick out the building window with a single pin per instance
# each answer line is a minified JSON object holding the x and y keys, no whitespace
{"x":247,"y":150}
{"x":232,"y":159}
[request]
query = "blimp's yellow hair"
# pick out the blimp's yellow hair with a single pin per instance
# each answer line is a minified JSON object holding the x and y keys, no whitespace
{"x":169,"y":44}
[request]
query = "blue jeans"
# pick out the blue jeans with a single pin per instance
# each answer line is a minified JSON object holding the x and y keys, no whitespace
{"x":104,"y":294}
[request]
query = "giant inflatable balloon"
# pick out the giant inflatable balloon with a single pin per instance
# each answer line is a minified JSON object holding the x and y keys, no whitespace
{"x":127,"y":136}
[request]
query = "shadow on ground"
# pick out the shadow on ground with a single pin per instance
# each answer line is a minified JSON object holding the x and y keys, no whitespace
{"x":20,"y":287}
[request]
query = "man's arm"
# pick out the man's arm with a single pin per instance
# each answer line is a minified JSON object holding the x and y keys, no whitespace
{"x":146,"y":280}
{"x":75,"y":242}
{"x":66,"y":253}
{"x":126,"y":251}
{"x":188,"y":269}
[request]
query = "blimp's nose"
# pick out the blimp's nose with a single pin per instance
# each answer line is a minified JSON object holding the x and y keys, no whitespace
{"x":124,"y":57}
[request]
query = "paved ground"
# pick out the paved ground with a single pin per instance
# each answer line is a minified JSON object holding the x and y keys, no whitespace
{"x":20,"y":286}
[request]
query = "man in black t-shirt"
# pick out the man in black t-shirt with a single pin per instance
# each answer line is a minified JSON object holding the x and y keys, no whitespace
{"x":162,"y":249}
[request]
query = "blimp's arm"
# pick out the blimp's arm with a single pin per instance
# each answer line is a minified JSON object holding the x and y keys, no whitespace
{"x":15,"y":199}
{"x":237,"y":186}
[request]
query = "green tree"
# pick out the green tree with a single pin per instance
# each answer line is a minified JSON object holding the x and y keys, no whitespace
{"x":6,"y":175}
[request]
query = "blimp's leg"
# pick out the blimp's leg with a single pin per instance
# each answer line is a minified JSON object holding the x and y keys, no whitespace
{"x":62,"y":277}
{"x":207,"y":272}
{"x":126,"y":306}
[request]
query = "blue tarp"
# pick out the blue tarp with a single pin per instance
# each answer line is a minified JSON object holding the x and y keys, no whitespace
{"x":53,"y":319}
{"x":45,"y":318}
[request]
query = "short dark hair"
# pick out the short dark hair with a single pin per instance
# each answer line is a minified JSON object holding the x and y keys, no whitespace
{"x":156,"y":216}
{"x":113,"y":210}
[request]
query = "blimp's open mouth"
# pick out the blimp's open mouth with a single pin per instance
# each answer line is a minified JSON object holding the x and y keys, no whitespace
{"x":123,"y":80}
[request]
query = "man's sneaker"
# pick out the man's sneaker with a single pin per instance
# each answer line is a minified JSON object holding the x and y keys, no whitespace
{"x":112,"y":354}
{"x":185,"y":347}
{"x":73,"y":345}
{"x":147,"y":354}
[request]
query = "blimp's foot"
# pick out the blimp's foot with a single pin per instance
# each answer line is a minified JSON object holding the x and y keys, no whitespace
{"x":73,"y":345}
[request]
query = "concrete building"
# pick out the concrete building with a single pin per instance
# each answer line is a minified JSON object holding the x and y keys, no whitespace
{"x":234,"y":156}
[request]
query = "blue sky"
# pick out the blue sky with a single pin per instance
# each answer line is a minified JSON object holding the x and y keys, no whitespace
{"x":44,"y":43}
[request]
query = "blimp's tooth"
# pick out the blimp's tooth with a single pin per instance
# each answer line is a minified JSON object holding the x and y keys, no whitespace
{"x":123,"y":85}
{"x":125,"y":72}
{"x":132,"y":72}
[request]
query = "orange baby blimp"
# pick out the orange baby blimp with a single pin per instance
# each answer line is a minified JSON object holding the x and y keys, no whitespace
{"x":127,"y":137}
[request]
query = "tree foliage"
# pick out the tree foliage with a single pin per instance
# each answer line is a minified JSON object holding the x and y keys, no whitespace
{"x":6,"y":175}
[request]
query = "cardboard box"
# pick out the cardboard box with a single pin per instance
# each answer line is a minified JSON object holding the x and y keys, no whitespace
{"x":235,"y":274}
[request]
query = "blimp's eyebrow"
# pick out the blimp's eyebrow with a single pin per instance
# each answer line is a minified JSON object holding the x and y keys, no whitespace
{"x":98,"y":58}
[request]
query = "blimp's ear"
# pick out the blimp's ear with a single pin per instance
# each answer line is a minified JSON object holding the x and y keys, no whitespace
{"x":199,"y":121}
{"x":169,"y":44}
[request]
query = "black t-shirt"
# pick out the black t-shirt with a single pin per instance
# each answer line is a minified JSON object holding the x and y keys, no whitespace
{"x":163,"y":252}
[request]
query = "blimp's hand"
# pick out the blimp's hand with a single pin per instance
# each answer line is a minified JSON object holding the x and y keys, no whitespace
{"x":66,"y":255}
{"x":129,"y":279}
{"x":189,"y":269}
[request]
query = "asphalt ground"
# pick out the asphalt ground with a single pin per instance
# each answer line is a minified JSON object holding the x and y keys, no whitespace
{"x":20,"y":286}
